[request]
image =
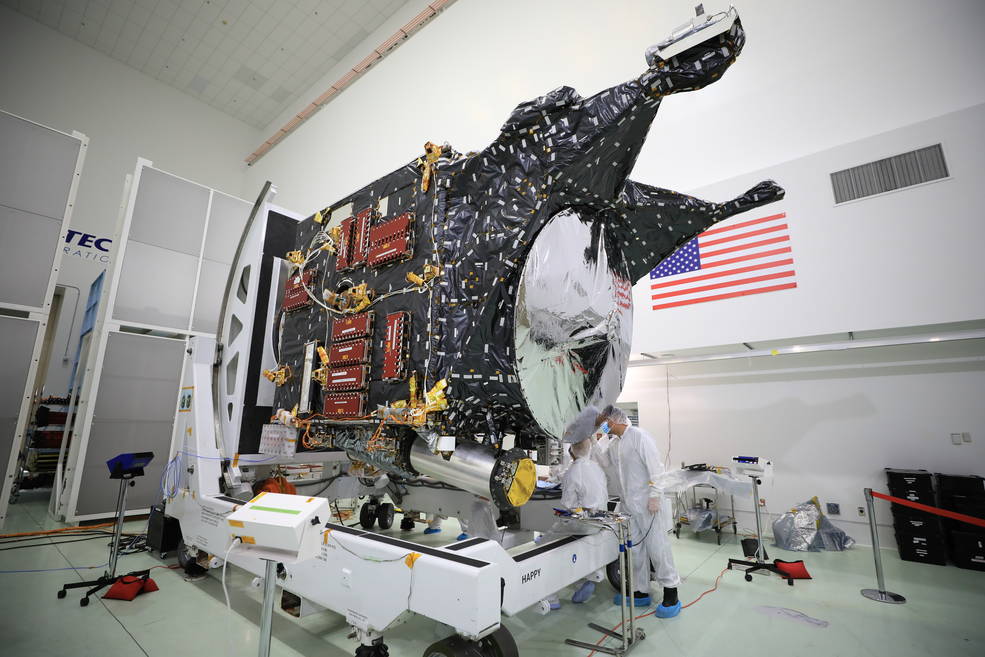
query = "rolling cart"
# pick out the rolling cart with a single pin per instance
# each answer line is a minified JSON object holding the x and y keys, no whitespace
{"x":698,"y":499}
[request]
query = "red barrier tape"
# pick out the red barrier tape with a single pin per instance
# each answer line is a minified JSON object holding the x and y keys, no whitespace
{"x":971,"y":520}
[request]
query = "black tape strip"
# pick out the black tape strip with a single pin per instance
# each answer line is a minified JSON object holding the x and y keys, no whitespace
{"x":413,"y":547}
{"x":461,"y":545}
{"x":553,"y":545}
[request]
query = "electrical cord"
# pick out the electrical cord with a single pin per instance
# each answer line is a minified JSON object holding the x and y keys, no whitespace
{"x":225,"y":592}
{"x":359,"y":556}
{"x":45,"y":532}
{"x":171,"y":478}
{"x":52,"y":570}
{"x":10,"y":541}
{"x":650,"y":613}
{"x":223,"y":458}
{"x":77,"y":540}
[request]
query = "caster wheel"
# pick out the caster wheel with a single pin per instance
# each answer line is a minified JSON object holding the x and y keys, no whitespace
{"x":748,"y":578}
{"x":84,"y":602}
{"x":789,"y":582}
{"x":367,"y":516}
{"x":61,"y":594}
{"x":384,"y":515}
{"x":163,"y":555}
{"x":407,"y":524}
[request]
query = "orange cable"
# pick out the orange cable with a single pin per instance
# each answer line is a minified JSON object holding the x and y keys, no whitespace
{"x":62,"y":529}
{"x":650,"y":613}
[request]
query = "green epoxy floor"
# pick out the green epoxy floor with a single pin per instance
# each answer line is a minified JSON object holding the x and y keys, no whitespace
{"x":944,"y":614}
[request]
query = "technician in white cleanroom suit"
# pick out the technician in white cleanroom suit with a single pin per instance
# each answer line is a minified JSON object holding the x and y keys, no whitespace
{"x":633,"y":454}
{"x":583,"y":489}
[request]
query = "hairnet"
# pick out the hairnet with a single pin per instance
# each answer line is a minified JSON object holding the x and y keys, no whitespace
{"x":616,"y":415}
{"x":582,"y":426}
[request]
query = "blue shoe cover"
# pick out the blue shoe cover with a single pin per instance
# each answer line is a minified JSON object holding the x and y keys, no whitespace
{"x":432,"y":531}
{"x":633,"y":601}
{"x":462,"y":537}
{"x":667,"y":612}
{"x":583,"y":593}
{"x":555,"y":605}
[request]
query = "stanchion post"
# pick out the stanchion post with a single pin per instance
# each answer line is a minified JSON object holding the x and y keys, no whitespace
{"x":880,"y":594}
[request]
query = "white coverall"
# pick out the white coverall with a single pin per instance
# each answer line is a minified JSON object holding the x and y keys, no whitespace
{"x":582,"y":487}
{"x":635,"y":458}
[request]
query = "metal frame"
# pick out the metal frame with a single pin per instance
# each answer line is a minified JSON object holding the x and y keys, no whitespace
{"x":106,"y":323}
{"x":39,"y":314}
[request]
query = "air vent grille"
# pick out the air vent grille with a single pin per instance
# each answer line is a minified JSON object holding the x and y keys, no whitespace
{"x":896,"y":172}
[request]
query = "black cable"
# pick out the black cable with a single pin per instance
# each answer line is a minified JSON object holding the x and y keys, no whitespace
{"x":49,"y":536}
{"x":78,"y":540}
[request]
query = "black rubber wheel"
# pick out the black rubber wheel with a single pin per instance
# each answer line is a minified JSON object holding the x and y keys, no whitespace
{"x":789,"y":582}
{"x":61,"y":594}
{"x":367,"y":515}
{"x":406,"y":523}
{"x":84,"y":602}
{"x":384,"y":515}
{"x":612,"y":574}
{"x":498,"y":644}
{"x":748,"y":577}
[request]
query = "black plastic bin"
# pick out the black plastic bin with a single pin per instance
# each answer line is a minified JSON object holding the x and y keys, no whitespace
{"x":967,"y":550}
{"x":963,"y":485}
{"x":922,"y":548}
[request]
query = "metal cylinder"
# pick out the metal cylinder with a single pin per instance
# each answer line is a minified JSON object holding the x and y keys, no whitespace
{"x":871,"y":510}
{"x":760,"y":550}
{"x":121,"y":509}
{"x":879,"y":594}
{"x":267,"y":611}
{"x":507,"y":478}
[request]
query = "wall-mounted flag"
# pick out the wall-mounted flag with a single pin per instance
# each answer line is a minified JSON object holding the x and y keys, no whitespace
{"x":729,"y":260}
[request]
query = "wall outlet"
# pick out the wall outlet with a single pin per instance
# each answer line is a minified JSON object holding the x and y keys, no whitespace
{"x":956,"y":439}
{"x":861,"y":511}
{"x":834,"y":509}
{"x":966,"y":436}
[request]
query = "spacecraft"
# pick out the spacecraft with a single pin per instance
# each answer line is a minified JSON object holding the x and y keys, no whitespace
{"x":464,"y":302}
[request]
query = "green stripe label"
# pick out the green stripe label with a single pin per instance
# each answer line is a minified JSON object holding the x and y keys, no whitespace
{"x":291,"y":512}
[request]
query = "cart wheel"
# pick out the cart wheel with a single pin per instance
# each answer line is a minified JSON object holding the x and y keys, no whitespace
{"x":789,"y":582}
{"x":612,"y":574}
{"x":748,"y":577}
{"x":406,"y":523}
{"x":84,"y":602}
{"x":61,"y":594}
{"x":384,"y":515}
{"x":367,"y":515}
{"x":498,"y":644}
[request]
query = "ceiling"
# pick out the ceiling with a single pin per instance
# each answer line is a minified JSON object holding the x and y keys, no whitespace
{"x":251,"y":59}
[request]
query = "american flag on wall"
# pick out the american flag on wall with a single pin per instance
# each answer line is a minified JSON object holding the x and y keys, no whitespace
{"x":729,"y":260}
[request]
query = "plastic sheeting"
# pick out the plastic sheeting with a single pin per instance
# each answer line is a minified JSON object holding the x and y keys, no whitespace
{"x":701,"y":519}
{"x":678,"y":481}
{"x":805,"y":529}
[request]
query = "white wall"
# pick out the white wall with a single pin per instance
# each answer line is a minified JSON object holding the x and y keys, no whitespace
{"x":831,"y":422}
{"x":810,"y":77}
{"x":906,"y":258}
{"x":51,"y":79}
